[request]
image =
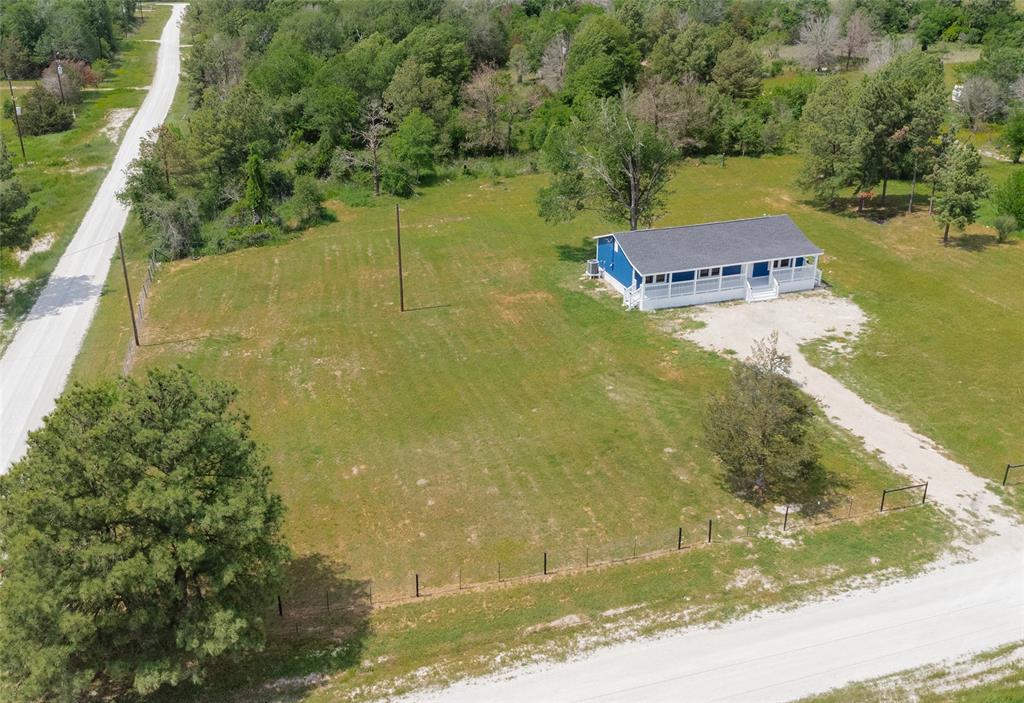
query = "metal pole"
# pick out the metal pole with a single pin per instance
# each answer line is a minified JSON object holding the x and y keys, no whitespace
{"x":925,"y":496}
{"x":709,"y":532}
{"x":17,"y":117}
{"x":545,"y":563}
{"x":785,"y":520}
{"x":1006,"y":474}
{"x":401,"y":282}
{"x":128,"y":288}
{"x":679,"y":542}
{"x":280,"y":608}
{"x":882,"y":506}
{"x":417,"y":585}
{"x":60,"y":84}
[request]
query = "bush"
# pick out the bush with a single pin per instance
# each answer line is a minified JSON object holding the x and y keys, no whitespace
{"x":1005,"y":225}
{"x":248,"y":236}
{"x":41,"y":113}
{"x":306,"y":204}
{"x":398,"y":180}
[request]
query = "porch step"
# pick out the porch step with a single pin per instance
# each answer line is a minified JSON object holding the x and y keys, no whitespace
{"x":761,"y":295}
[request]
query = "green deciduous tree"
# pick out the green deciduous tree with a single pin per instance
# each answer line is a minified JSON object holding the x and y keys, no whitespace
{"x":828,"y":131}
{"x":412,"y":150}
{"x":960,"y":187}
{"x":139,"y":541}
{"x":1009,"y":197}
{"x":610,"y":162}
{"x":601,"y":58}
{"x":16,"y":215}
{"x":762,"y":430}
{"x":1012,"y":138}
{"x":41,"y":113}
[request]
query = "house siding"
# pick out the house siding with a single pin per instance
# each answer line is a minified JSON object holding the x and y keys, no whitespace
{"x":614,"y":263}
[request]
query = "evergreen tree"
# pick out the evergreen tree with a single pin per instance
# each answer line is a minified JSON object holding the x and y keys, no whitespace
{"x":738,"y":71}
{"x":256,"y":200}
{"x":960,"y":186}
{"x":762,"y":430}
{"x":16,"y":215}
{"x":828,"y":131}
{"x":139,"y":541}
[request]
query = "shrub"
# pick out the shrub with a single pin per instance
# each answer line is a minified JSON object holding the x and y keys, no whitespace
{"x":306,"y":203}
{"x":41,"y":113}
{"x":1005,"y":225}
{"x":248,"y":236}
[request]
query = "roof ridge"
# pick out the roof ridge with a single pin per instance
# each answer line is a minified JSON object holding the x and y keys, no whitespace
{"x":695,"y":224}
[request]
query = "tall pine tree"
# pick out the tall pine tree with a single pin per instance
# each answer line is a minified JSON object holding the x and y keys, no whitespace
{"x":16,"y":216}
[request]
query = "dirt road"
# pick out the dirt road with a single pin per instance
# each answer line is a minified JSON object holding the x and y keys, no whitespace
{"x":36,"y":365}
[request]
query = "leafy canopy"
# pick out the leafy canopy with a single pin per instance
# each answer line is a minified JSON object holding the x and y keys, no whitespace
{"x":138,"y":540}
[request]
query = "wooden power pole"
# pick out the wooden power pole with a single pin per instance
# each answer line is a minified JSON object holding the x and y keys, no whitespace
{"x":128,"y":288}
{"x":401,"y":282}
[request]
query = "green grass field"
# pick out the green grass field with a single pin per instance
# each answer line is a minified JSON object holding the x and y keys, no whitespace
{"x":513,"y":410}
{"x":64,"y":170}
{"x":516,"y":409}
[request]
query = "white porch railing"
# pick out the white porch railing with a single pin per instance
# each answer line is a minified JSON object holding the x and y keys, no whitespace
{"x":800,"y":273}
{"x":683,"y":289}
{"x":632,"y":297}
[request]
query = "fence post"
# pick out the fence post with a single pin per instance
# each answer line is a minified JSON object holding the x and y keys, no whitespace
{"x":925,"y":496}
{"x":785,"y":520}
{"x":882,"y":506}
{"x":709,"y":531}
{"x":545,"y":563}
{"x":417,"y":585}
{"x":280,"y":608}
{"x":679,"y":541}
{"x":1006,"y":474}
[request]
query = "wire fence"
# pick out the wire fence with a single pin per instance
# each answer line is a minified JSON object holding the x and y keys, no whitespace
{"x":318,"y":602}
{"x":1007,"y":474}
{"x":140,"y":313}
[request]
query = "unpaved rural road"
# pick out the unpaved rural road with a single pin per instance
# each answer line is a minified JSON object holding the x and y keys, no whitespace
{"x":777,"y":655}
{"x":36,"y":365}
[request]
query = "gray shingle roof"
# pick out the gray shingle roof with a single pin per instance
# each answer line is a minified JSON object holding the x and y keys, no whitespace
{"x":714,"y":244}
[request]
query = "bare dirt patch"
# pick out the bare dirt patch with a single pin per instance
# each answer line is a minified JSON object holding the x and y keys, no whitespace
{"x":116,"y":120}
{"x":39,"y":244}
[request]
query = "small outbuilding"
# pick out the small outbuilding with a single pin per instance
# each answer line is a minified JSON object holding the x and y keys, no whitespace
{"x":752,"y":259}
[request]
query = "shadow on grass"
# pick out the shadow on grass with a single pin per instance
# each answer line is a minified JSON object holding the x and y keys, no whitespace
{"x":321,"y":630}
{"x":979,"y":242}
{"x":576,"y":253}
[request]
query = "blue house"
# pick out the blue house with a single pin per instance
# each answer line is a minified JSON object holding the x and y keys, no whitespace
{"x":752,"y":259}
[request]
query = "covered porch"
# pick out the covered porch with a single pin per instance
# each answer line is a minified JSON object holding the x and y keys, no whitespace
{"x":750,"y":281}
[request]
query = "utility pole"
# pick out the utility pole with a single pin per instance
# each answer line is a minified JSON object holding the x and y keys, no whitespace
{"x":60,"y":84}
{"x":17,"y":117}
{"x":127,"y":287}
{"x":401,"y":282}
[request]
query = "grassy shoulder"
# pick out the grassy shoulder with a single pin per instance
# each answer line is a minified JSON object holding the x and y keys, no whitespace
{"x":64,"y":170}
{"x":354,"y":654}
{"x":996,"y":676}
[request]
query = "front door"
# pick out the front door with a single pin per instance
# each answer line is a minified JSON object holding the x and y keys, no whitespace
{"x":760,"y":269}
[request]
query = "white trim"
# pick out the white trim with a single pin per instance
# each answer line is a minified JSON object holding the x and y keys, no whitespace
{"x":743,"y":263}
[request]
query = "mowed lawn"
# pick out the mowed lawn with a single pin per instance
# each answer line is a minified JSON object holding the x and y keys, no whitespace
{"x":513,"y":409}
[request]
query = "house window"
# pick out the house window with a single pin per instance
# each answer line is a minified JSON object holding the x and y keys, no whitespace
{"x":661,"y":278}
{"x":709,"y":273}
{"x":781,"y":263}
{"x":648,"y":279}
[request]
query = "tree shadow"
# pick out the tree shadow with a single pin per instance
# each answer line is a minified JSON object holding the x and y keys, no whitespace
{"x":62,"y":292}
{"x":320,"y":630}
{"x":977,"y":242}
{"x":578,"y":254}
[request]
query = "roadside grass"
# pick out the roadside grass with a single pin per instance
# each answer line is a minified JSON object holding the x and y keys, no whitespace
{"x":65,"y":169}
{"x":995,"y":676}
{"x":439,"y":640}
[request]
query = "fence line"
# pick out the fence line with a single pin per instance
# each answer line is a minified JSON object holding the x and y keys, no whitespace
{"x":1009,"y":467}
{"x":144,"y":292}
{"x":545,"y":567}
